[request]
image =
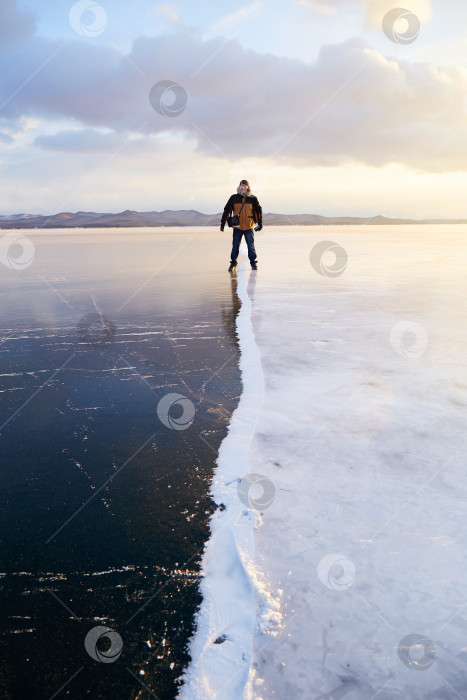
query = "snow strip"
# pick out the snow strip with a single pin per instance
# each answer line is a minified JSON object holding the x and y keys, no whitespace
{"x":233,"y":589}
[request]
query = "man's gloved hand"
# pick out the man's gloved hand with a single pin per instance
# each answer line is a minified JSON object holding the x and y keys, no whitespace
{"x":258,"y":227}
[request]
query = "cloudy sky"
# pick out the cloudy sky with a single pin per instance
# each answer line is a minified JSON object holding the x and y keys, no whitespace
{"x":327,"y":106}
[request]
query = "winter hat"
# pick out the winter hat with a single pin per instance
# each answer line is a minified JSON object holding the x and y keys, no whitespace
{"x":245,"y":182}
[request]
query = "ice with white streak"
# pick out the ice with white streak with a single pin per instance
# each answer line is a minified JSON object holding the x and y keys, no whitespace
{"x":233,"y":591}
{"x":352,"y":584}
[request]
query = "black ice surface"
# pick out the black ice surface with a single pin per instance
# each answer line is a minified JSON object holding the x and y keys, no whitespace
{"x":104,"y":508}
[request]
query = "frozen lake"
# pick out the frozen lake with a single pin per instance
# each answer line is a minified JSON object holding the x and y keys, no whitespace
{"x":357,"y":561}
{"x":337,"y":562}
{"x":104,"y":506}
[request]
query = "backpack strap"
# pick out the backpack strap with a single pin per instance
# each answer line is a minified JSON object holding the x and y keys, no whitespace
{"x":242,"y":206}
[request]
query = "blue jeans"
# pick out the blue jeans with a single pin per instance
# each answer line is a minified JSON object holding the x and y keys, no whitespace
{"x":250,"y":241}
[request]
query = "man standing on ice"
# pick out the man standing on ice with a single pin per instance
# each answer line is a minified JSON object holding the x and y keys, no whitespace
{"x":246,"y":206}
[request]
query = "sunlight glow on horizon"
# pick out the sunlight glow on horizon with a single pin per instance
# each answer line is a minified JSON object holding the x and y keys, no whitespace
{"x":354,"y":124}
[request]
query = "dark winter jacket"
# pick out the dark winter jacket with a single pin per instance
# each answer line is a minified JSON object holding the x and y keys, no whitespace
{"x":251,"y":213}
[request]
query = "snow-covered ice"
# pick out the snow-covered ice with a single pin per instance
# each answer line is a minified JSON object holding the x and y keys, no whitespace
{"x":232,"y":588}
{"x":347,"y":577}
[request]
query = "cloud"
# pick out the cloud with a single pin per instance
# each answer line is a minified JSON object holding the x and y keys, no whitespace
{"x":79,"y":141}
{"x":325,"y":7}
{"x":6,"y":138}
{"x":352,"y":105}
{"x":373,"y":11}
{"x":15,"y":26}
{"x":168,"y":11}
{"x":228,"y":22}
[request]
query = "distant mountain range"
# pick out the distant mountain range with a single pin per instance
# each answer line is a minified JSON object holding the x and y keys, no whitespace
{"x":190,"y":217}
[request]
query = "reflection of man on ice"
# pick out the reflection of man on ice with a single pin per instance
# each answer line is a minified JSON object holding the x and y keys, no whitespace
{"x":246,"y":206}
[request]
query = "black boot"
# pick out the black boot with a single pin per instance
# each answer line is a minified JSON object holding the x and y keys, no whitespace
{"x":254,"y":266}
{"x":233,"y":267}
